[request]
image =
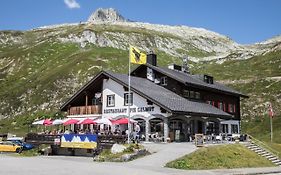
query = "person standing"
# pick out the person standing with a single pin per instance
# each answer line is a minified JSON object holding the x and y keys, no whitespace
{"x":137,"y":130}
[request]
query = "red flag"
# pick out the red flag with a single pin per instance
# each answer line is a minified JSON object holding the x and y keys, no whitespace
{"x":270,"y":111}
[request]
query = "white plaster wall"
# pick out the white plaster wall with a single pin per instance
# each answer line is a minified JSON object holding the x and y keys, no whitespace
{"x":111,"y":87}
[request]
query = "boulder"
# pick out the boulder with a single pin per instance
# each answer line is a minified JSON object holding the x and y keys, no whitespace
{"x":125,"y":157}
{"x":117,"y":148}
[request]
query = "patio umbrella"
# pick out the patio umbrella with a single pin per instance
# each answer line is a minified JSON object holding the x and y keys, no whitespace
{"x":123,"y":121}
{"x":87,"y":121}
{"x":71,"y":121}
{"x":105,"y":121}
{"x":57,"y":122}
{"x":43,"y":122}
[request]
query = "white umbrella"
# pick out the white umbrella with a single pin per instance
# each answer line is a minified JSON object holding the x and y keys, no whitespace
{"x":57,"y":122}
{"x":43,"y":122}
{"x":39,"y":122}
{"x":105,"y":121}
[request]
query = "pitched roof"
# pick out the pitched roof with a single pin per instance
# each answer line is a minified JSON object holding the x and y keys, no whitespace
{"x":166,"y":98}
{"x":194,"y":80}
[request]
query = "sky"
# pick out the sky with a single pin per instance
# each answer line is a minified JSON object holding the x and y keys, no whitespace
{"x":244,"y":21}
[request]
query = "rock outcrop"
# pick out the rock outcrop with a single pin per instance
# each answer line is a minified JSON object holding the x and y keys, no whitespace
{"x":106,"y":15}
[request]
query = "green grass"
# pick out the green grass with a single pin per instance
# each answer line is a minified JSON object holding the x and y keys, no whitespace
{"x":255,"y":67}
{"x":220,"y":157}
{"x":29,"y":153}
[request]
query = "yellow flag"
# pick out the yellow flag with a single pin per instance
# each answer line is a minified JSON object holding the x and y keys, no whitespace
{"x":136,"y":56}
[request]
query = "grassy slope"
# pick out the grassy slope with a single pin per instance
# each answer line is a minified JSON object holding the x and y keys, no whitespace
{"x":219,"y":157}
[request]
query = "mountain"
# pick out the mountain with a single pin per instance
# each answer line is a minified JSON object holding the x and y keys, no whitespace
{"x":41,"y":68}
{"x":106,"y":15}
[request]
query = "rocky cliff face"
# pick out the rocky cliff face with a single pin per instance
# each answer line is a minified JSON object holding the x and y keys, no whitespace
{"x":106,"y":15}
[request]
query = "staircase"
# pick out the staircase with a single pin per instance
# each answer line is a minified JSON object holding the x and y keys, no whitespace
{"x":264,"y":153}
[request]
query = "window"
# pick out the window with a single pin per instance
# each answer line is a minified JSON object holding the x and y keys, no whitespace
{"x":185,"y":93}
{"x":234,"y":129}
{"x":164,"y":81}
{"x":149,"y":102}
{"x":110,"y":100}
{"x":126,"y":99}
{"x":230,"y":108}
{"x":191,"y":94}
{"x":208,"y":79}
{"x":197,"y":95}
{"x":220,"y":105}
{"x":225,"y":128}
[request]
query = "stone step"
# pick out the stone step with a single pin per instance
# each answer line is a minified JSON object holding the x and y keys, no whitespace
{"x":259,"y":149}
{"x":254,"y":146}
{"x":266,"y":154}
{"x":271,"y":157}
{"x":256,"y":149}
{"x":261,"y":152}
{"x":276,"y":161}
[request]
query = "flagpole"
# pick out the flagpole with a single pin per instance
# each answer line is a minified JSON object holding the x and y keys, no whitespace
{"x":129,"y":97}
{"x":271,"y":129}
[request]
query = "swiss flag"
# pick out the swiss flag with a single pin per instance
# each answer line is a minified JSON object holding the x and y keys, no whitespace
{"x":270,"y":111}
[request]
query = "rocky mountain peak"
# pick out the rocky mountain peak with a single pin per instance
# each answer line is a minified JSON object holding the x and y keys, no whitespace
{"x":106,"y":15}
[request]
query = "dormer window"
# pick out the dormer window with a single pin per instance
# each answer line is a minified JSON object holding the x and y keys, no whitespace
{"x":164,"y":81}
{"x":197,"y":95}
{"x":208,"y":79}
{"x":185,"y":93}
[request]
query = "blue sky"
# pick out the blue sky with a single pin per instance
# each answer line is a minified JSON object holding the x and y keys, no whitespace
{"x":245,"y":21}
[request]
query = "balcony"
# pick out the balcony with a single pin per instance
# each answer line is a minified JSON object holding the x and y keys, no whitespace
{"x":82,"y":110}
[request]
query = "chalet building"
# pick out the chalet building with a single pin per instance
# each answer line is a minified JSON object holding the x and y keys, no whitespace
{"x":170,"y":102}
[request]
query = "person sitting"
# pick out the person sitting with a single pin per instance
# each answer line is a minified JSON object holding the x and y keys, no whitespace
{"x":81,"y":131}
{"x":66,"y":131}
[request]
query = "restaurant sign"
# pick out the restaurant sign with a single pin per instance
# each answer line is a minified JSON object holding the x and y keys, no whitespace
{"x":87,"y":141}
{"x":132,"y":110}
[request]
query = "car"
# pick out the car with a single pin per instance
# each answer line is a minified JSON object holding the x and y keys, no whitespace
{"x":18,"y":141}
{"x":8,"y":146}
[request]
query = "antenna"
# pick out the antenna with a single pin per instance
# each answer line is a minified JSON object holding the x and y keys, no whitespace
{"x":185,"y":64}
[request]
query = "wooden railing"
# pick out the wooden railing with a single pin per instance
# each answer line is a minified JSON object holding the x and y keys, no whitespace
{"x":38,"y":139}
{"x":81,"y":110}
{"x":105,"y":141}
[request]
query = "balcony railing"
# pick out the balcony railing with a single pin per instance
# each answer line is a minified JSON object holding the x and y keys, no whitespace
{"x":82,"y":110}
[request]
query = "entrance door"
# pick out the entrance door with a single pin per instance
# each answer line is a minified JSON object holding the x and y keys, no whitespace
{"x":200,"y":126}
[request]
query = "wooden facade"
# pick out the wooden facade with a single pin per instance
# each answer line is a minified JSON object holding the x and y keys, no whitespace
{"x":82,"y":110}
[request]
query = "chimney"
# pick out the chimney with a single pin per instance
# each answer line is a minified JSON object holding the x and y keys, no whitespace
{"x":151,"y":58}
{"x":185,"y":67}
{"x":175,"y":67}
